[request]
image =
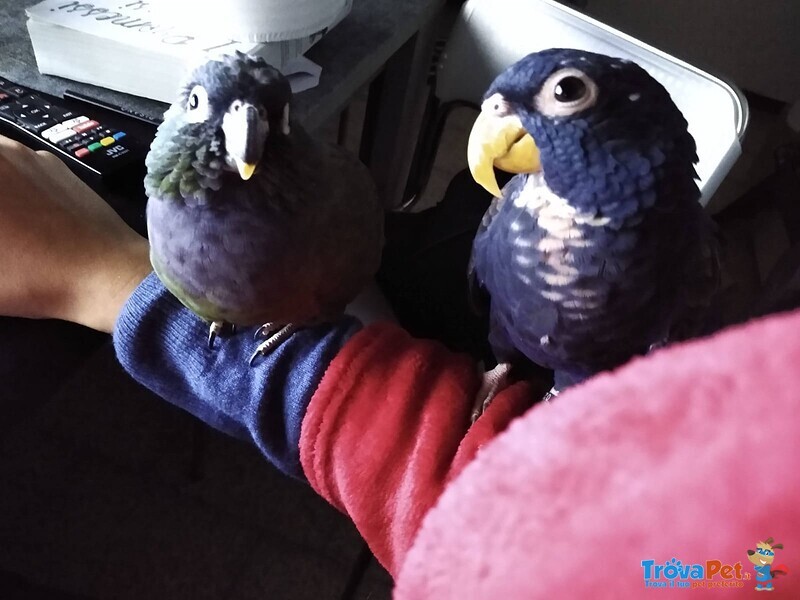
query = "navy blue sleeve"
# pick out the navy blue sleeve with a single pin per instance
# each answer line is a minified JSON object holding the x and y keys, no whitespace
{"x":164,"y":347}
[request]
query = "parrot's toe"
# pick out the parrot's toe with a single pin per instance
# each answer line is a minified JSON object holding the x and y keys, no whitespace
{"x":274,"y":338}
{"x":217,"y":329}
{"x":493,"y":383}
{"x":266,"y":330}
{"x":552,"y":394}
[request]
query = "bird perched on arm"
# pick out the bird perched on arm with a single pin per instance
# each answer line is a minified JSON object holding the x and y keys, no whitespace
{"x":251,"y":220}
{"x":598,"y":249}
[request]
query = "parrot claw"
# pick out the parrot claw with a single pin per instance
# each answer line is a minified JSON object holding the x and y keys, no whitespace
{"x":273,"y":338}
{"x":216,"y":329}
{"x":266,"y":330}
{"x":493,"y":383}
{"x":551,"y":395}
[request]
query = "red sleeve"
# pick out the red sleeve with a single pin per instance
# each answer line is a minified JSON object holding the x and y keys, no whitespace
{"x":388,"y":427}
{"x":691,"y":454}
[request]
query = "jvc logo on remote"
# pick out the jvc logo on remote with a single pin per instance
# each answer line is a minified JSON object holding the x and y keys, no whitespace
{"x":116,"y":151}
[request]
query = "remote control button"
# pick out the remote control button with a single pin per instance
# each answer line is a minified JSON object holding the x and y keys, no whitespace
{"x":61,"y":136}
{"x":73,"y":139}
{"x":61,"y":114}
{"x":36,"y":126}
{"x":54,"y":130}
{"x":86,"y":126}
{"x":6,"y":111}
{"x":23,"y":111}
{"x":81,"y":152}
{"x":119,"y":135}
{"x":72,"y":146}
{"x":75,"y":120}
{"x":15,"y":90}
{"x":4,"y":96}
{"x":95,"y":146}
{"x":107,"y":141}
{"x":26,"y":109}
{"x":58,"y":112}
{"x":27,"y":113}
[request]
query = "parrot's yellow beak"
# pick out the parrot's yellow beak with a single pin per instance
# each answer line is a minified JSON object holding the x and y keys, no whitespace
{"x":245,"y":169}
{"x":502,"y":142}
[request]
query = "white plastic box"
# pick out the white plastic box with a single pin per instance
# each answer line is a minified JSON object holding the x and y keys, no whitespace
{"x":492,"y":34}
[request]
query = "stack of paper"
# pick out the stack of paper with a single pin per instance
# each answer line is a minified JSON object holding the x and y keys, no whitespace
{"x":254,"y":20}
{"x":118,"y":44}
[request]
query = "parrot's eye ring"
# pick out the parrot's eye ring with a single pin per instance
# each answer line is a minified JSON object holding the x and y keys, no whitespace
{"x":197,"y":104}
{"x":566,"y":92}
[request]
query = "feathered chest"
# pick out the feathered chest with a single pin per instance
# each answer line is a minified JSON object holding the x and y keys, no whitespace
{"x":244,"y":227}
{"x":536,"y":247}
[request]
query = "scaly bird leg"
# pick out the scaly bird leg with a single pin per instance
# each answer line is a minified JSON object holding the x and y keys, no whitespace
{"x":274,"y":334}
{"x":551,"y":395}
{"x":216,"y":329}
{"x":493,"y":383}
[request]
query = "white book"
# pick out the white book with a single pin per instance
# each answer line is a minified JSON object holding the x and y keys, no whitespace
{"x":117,"y":44}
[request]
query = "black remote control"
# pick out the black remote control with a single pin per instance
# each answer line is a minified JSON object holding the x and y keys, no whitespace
{"x":72,"y":136}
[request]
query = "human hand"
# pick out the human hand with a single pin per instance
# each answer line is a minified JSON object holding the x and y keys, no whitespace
{"x":66,"y":253}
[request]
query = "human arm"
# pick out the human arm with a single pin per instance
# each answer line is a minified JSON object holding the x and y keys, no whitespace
{"x":377,"y":421}
{"x":67,"y":255}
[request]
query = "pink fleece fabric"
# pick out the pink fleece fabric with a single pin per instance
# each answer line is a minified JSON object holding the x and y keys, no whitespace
{"x":692,"y":453}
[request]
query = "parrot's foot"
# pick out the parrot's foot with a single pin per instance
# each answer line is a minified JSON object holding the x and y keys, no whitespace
{"x":266,"y":330}
{"x":274,"y":334}
{"x":551,"y":395}
{"x":218,"y":328}
{"x":493,"y":383}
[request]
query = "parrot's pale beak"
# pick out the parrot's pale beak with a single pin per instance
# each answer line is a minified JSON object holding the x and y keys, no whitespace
{"x":246,"y":170}
{"x":245,"y":134}
{"x":502,"y":142}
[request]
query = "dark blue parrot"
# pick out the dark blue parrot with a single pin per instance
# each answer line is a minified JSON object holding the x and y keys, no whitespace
{"x":251,"y":220}
{"x":598,"y":249}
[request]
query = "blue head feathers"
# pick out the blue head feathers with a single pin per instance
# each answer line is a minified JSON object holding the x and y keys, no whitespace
{"x":602,"y":125}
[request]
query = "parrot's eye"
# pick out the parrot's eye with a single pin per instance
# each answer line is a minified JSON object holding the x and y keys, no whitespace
{"x":197,"y":104}
{"x":496,"y":105}
{"x":569,"y":89}
{"x":262,"y":113}
{"x":566,"y":92}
